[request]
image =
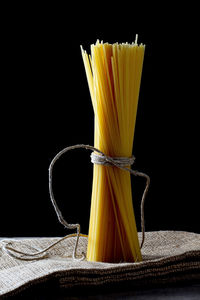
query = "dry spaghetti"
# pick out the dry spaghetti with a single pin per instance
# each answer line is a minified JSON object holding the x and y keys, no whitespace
{"x":114,"y":74}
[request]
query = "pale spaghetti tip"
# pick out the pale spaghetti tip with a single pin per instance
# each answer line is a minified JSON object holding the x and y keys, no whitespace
{"x":136,"y":39}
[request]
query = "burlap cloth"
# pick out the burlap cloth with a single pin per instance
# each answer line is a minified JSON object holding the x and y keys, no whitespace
{"x":168,"y":256}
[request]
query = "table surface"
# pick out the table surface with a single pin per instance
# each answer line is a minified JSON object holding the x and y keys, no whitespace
{"x":184,"y":291}
{"x":190,"y":291}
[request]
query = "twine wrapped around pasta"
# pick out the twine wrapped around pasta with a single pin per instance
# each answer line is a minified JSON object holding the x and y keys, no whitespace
{"x":101,"y":158}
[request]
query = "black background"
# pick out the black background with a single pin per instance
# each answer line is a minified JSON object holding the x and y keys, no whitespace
{"x":46,"y":106}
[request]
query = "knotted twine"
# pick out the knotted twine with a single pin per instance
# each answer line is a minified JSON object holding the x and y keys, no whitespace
{"x":100,"y":159}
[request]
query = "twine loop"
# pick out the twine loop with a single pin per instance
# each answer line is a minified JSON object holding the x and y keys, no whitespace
{"x":97,"y":157}
{"x":105,"y":160}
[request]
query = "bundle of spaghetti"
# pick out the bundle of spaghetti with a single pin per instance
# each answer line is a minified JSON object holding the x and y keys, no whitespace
{"x":114,"y":74}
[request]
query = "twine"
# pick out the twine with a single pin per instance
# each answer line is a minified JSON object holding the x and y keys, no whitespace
{"x":100,"y":159}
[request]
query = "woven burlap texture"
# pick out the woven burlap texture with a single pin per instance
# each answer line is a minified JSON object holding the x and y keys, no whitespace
{"x":167,"y":256}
